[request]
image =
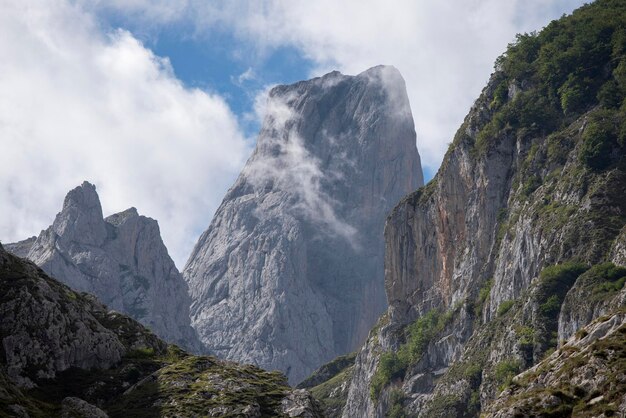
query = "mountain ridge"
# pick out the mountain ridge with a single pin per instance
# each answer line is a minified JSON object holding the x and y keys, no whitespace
{"x":121,"y":259}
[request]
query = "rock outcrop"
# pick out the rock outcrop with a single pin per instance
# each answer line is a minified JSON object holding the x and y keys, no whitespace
{"x":517,"y":241}
{"x":584,"y":377}
{"x":63,"y":353}
{"x":121,"y":260}
{"x":290,"y":272}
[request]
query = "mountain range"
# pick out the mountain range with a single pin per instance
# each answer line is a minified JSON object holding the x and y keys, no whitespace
{"x":495,"y":290}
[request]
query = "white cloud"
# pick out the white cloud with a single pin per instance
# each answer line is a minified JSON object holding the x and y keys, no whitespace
{"x":444,"y":49}
{"x":282,"y":161}
{"x":77,"y":104}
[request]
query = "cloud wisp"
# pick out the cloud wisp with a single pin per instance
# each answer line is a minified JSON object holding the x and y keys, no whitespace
{"x":283,"y":162}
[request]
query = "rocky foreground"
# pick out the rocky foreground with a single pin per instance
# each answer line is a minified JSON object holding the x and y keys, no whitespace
{"x":63,"y":353}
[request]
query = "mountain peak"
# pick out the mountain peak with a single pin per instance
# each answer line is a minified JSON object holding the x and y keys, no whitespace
{"x":81,"y":219}
{"x":118,"y":219}
{"x":334,"y":155}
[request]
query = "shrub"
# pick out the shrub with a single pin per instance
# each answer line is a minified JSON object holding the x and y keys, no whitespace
{"x":599,"y":138}
{"x":505,"y":371}
{"x":573,"y":94}
{"x":396,"y":399}
{"x":389,"y":367}
{"x":530,"y":185}
{"x":420,"y":333}
{"x":551,"y":307}
{"x":500,"y":96}
{"x":505,"y":306}
{"x":607,"y":277}
{"x":140,"y":353}
{"x":526,"y":336}
{"x":417,"y":336}
{"x":483,"y":295}
{"x":557,"y":280}
{"x":610,"y":95}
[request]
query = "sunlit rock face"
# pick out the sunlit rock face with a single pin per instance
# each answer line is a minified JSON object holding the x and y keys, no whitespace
{"x":290,"y":272}
{"x":121,"y":259}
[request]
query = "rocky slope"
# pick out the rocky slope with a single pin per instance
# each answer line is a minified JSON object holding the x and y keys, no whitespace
{"x":584,"y":377}
{"x":65,"y":354}
{"x":517,"y":241}
{"x":290,"y":272}
{"x":329,"y":384}
{"x":121,"y":260}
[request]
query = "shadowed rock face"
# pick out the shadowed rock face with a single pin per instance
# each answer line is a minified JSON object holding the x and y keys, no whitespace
{"x":290,"y":272}
{"x":121,"y":259}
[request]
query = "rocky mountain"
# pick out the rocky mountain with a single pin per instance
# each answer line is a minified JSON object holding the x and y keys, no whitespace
{"x":65,"y":354}
{"x":121,"y":260}
{"x":515,"y":246}
{"x":290,"y":272}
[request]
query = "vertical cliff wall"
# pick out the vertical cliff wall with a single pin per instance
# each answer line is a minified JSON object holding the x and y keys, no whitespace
{"x":517,"y":241}
{"x":290,"y":272}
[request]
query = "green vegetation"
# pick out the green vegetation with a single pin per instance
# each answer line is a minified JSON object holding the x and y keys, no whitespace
{"x":144,"y":352}
{"x":504,"y":373}
{"x":444,"y":406}
{"x":328,"y":370}
{"x":530,"y":185}
{"x":554,"y":283}
{"x":396,"y":399}
{"x":599,"y":139}
{"x":483,"y":295}
{"x":418,"y":335}
{"x":505,"y":306}
{"x":328,"y":384}
{"x":565,"y":70}
{"x":608,"y":356}
{"x":607,"y":278}
{"x":526,"y":337}
{"x":196,"y":385}
{"x":551,"y":306}
{"x":557,"y":280}
{"x":330,"y":394}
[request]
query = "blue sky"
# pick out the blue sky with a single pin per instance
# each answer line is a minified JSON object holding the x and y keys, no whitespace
{"x":217,"y":61}
{"x":156,"y":102}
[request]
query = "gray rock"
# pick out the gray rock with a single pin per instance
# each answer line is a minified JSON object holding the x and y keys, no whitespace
{"x":45,"y":327}
{"x":290,"y":272}
{"x":121,"y":259}
{"x":77,"y":408}
{"x":488,"y":223}
{"x":300,"y":403}
{"x":21,"y":248}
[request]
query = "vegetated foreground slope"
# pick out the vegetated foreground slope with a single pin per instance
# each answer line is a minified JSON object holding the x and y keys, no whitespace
{"x":65,"y":354}
{"x":518,"y":241}
{"x":290,"y":272}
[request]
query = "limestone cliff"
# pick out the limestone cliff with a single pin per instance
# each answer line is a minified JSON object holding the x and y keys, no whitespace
{"x":290,"y":272}
{"x":121,"y":260}
{"x":517,"y":241}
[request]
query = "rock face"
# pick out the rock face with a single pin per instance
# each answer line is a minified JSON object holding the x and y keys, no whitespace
{"x":290,"y":272}
{"x":585,"y":377}
{"x":67,"y":334}
{"x":517,"y":241}
{"x":63,"y":353}
{"x":121,"y":259}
